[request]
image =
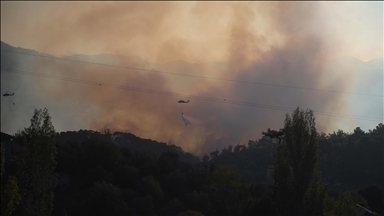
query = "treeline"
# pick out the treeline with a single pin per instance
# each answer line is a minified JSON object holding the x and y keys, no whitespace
{"x":352,"y":160}
{"x":238,"y":180}
{"x":286,"y":172}
{"x":347,"y":161}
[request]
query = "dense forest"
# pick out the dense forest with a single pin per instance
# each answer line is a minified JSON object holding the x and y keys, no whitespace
{"x":293,"y":171}
{"x":346,"y":160}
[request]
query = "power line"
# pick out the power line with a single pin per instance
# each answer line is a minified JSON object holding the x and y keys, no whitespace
{"x":197,"y":76}
{"x":202,"y":98}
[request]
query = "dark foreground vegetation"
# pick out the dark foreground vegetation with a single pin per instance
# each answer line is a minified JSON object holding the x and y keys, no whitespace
{"x":292,"y":171}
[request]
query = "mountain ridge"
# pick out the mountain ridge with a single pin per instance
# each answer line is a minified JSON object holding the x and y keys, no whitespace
{"x":122,"y":140}
{"x":128,"y":140}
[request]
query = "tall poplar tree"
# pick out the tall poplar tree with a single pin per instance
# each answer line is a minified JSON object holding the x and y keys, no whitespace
{"x":300,"y":189}
{"x":36,"y":167}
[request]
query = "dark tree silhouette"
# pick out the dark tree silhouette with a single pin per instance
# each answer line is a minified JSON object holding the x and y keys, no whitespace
{"x":297,"y":180}
{"x":36,"y":168}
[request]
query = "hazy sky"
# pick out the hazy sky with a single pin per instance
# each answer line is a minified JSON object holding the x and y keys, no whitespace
{"x":286,"y":43}
{"x":201,"y":30}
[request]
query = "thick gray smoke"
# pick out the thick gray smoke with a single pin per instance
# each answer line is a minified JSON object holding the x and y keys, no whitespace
{"x":286,"y":51}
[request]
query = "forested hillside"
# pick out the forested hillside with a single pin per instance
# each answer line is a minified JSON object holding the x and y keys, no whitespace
{"x":235,"y":180}
{"x":346,"y":160}
{"x":100,"y":173}
{"x":126,"y":140}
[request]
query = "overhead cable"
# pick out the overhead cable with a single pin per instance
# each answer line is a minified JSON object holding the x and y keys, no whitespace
{"x":196,"y":97}
{"x":196,"y":76}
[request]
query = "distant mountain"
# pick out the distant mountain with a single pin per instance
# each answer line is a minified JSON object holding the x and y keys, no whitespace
{"x":127,"y":140}
{"x":8,"y":47}
{"x":376,"y":63}
{"x":110,"y":59}
{"x":357,"y":66}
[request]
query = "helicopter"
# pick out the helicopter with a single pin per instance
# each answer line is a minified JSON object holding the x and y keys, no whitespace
{"x":6,"y":94}
{"x":183,"y":101}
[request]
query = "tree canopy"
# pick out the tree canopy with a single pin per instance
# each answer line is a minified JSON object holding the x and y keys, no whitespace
{"x":36,"y":167}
